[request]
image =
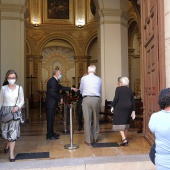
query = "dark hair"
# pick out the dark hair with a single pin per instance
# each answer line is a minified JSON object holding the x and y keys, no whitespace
{"x":10,"y":72}
{"x":164,"y":98}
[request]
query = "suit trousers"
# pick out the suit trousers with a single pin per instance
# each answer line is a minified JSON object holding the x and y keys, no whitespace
{"x":50,"y":115}
{"x":91,"y":109}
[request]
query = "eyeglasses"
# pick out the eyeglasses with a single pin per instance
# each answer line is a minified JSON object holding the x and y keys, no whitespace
{"x":11,"y":77}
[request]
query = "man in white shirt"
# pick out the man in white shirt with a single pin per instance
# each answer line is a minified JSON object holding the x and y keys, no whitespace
{"x":90,"y":88}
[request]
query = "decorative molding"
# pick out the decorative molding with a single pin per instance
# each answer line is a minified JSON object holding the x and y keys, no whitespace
{"x":12,"y":8}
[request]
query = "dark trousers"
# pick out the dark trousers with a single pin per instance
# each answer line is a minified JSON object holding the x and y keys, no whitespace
{"x":50,"y":115}
{"x":80,"y":112}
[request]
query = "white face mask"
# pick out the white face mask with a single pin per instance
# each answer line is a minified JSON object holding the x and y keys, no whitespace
{"x":11,"y":81}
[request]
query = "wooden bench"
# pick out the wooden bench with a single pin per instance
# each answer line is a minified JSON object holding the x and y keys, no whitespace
{"x":107,"y":112}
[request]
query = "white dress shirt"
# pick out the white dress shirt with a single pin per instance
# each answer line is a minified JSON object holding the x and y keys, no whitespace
{"x":8,"y":97}
{"x":90,"y":85}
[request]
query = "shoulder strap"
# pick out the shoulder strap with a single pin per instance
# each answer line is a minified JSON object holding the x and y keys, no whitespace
{"x":18,"y":96}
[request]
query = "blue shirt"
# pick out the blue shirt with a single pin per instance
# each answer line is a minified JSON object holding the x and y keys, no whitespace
{"x":90,"y":85}
{"x":159,"y":124}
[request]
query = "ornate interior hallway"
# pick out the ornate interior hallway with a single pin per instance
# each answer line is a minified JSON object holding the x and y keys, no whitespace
{"x":33,"y":139}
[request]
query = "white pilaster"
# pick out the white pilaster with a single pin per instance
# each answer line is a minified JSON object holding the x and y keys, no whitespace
{"x":12,"y":38}
{"x":112,"y":28}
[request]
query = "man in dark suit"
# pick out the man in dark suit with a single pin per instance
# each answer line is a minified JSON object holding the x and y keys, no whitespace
{"x":52,"y":99}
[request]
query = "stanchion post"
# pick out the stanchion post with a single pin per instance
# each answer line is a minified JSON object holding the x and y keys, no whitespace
{"x":65,"y":119}
{"x":27,"y":110}
{"x":40,"y":103}
{"x":71,"y":145}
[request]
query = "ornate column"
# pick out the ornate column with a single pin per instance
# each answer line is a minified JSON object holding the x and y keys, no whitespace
{"x":112,"y":28}
{"x":81,"y":64}
{"x":12,"y":44}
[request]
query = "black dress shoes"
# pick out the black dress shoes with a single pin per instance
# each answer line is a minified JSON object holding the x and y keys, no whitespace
{"x":56,"y":135}
{"x":51,"y":137}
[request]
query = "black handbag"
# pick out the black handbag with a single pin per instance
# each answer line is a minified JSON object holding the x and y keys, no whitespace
{"x":152,"y":153}
{"x":6,"y":116}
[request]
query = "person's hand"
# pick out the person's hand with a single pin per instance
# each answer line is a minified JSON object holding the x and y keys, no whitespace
{"x":61,"y":101}
{"x":133,"y":115}
{"x":15,"y":109}
{"x":112,"y":109}
{"x":74,"y":89}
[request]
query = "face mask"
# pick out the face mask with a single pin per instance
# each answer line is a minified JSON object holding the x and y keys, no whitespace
{"x":11,"y":81}
{"x":60,"y":76}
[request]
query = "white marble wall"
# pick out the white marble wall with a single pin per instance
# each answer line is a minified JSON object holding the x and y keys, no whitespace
{"x":113,"y":44}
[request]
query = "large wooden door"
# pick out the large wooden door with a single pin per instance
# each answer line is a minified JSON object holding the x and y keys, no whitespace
{"x":152,"y":58}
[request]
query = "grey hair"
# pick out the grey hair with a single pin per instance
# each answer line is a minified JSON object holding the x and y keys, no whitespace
{"x":55,"y":71}
{"x":92,"y":68}
{"x":124,"y":81}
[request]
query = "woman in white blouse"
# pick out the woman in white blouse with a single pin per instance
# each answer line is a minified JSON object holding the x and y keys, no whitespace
{"x":9,"y":96}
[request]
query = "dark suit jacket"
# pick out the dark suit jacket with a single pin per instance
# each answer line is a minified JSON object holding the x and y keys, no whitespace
{"x":52,"y":94}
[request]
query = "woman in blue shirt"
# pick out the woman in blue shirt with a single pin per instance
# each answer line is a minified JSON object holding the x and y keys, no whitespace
{"x":159,"y":124}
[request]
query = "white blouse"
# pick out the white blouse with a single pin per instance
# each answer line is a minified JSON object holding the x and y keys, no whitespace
{"x":8,"y":97}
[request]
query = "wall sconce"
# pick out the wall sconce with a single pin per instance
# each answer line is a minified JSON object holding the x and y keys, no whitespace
{"x":35,"y":22}
{"x":80,"y":23}
{"x":36,"y":25}
{"x":80,"y":26}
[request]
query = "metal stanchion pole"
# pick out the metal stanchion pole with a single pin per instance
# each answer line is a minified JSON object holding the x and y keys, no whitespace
{"x":65,"y":119}
{"x":71,"y":145}
{"x":40,"y":103}
{"x":27,"y":110}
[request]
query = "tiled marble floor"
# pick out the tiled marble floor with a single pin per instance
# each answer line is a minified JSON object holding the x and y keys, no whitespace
{"x":33,"y":139}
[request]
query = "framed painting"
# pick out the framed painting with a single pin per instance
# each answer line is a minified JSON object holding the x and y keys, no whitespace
{"x":58,"y":11}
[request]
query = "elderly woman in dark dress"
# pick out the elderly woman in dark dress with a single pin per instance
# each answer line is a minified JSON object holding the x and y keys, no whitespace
{"x":124,"y":107}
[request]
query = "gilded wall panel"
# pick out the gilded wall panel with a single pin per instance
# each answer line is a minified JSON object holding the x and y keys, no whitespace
{"x":35,"y":11}
{"x":80,"y":9}
{"x":36,"y":35}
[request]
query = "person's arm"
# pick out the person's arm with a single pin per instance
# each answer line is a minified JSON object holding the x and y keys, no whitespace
{"x":152,"y":123}
{"x":81,"y":85}
{"x":133,"y":102}
{"x":20,"y":98}
{"x":1,"y":97}
{"x":54,"y":89}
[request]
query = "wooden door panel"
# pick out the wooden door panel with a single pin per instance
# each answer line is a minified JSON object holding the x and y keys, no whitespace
{"x":150,"y":58}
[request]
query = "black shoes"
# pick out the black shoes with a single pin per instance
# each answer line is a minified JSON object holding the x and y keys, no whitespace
{"x":11,"y":160}
{"x":56,"y":135}
{"x":124,"y":142}
{"x":6,"y":149}
{"x":53,"y":137}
